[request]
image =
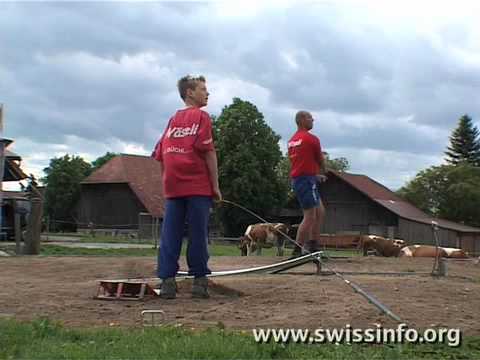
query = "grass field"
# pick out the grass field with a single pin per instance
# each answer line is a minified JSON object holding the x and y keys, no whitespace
{"x":215,"y":250}
{"x":44,"y":339}
{"x":86,"y":238}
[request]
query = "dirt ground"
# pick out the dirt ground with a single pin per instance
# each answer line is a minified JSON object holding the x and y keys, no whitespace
{"x":62,"y":288}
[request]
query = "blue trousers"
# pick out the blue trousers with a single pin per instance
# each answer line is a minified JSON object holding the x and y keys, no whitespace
{"x":194,"y":210}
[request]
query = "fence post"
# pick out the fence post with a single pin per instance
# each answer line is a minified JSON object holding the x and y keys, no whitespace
{"x":442,"y":267}
{"x":32,"y":241}
{"x":17,"y":228}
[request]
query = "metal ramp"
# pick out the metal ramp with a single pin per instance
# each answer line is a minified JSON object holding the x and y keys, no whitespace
{"x":268,"y":269}
{"x":137,"y":289}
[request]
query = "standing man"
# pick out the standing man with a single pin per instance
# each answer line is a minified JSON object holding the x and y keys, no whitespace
{"x":190,"y":181}
{"x":307,"y":169}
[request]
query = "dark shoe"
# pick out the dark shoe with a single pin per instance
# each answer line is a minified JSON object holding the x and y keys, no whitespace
{"x":312,"y":246}
{"x":200,"y":288}
{"x":168,"y":288}
{"x":297,"y":251}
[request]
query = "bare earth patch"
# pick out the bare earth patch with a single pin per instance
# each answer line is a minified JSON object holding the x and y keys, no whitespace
{"x":62,"y":288}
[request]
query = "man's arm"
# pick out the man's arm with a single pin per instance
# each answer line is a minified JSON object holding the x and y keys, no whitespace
{"x":322,"y":164}
{"x":211,"y":160}
{"x":160,"y":163}
{"x":161,"y":170}
{"x":322,"y":175}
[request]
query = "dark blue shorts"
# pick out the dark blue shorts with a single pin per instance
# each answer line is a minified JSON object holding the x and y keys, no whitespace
{"x":306,"y":191}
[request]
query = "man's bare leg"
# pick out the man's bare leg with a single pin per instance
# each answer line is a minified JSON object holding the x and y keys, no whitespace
{"x":317,"y":227}
{"x":305,"y":228}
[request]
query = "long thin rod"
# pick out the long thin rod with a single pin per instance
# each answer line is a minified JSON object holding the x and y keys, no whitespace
{"x":356,"y":288}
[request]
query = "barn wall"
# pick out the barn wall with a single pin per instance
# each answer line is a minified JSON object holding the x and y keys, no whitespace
{"x":109,"y":206}
{"x":470,"y":242}
{"x":349,"y":210}
{"x":419,"y":233}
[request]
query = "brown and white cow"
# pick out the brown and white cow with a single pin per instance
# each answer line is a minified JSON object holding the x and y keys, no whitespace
{"x":422,"y":251}
{"x":384,"y":247}
{"x":263,"y":235}
{"x":456,"y":253}
{"x":431,"y":251}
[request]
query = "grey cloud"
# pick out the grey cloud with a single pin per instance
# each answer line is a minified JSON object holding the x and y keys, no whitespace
{"x":61,"y":74}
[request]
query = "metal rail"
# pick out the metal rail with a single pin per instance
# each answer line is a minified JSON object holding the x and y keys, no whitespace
{"x":277,"y":267}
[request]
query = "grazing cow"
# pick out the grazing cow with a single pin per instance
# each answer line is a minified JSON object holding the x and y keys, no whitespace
{"x":384,"y":247}
{"x":422,"y":251}
{"x":263,"y":235}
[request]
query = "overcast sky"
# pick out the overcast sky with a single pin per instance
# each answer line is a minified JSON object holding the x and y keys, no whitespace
{"x":385,"y":81}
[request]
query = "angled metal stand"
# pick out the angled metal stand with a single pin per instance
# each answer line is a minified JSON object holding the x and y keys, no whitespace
{"x":137,"y":289}
{"x":268,"y":269}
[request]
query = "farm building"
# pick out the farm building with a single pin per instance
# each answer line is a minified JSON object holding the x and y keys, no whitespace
{"x":128,"y":189}
{"x":11,"y":201}
{"x":11,"y":170}
{"x":357,"y":204}
{"x":123,"y":193}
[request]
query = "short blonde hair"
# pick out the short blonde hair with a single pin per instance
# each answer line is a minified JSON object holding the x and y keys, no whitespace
{"x":188,"y":82}
{"x":302,"y":114}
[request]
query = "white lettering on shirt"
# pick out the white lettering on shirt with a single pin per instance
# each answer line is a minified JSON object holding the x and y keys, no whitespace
{"x":179,"y":132}
{"x":294,"y":143}
{"x":175,"y":149}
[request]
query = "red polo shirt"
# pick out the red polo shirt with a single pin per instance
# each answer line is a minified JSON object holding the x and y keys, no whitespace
{"x":181,"y":149}
{"x":304,"y":152}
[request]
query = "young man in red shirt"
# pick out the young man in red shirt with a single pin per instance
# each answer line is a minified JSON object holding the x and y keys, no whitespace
{"x":307,"y":169}
{"x":190,"y":181}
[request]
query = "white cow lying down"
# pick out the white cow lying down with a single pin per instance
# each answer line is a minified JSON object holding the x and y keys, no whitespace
{"x":431,"y":251}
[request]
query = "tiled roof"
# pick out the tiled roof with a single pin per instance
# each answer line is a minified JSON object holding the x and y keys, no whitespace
{"x":13,"y":172}
{"x":11,"y":155}
{"x":141,"y":173}
{"x":368,"y":186}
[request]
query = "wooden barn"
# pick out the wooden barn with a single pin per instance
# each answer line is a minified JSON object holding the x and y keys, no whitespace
{"x":117,"y":195}
{"x":11,"y":170}
{"x":357,"y":204}
{"x":11,"y":201}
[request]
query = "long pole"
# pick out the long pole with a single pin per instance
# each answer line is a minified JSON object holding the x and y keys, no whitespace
{"x":357,"y":288}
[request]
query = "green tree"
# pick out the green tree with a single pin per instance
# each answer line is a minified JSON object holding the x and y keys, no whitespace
{"x":448,"y":191}
{"x":62,"y":181}
{"x":102,"y":160}
{"x":464,"y":143}
{"x":283,"y":175}
{"x":425,"y":191}
{"x":248,"y":158}
{"x":340,"y":164}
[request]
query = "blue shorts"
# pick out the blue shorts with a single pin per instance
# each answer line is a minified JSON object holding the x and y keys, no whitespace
{"x":306,"y":191}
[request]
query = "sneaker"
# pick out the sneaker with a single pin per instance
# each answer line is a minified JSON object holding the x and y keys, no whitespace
{"x":200,"y":288}
{"x":297,"y":251}
{"x":312,"y":246}
{"x":168,"y":288}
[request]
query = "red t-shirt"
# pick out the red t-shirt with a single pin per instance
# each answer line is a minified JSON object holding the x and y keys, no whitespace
{"x":305,"y":153}
{"x":181,"y":149}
